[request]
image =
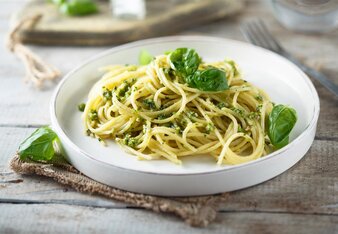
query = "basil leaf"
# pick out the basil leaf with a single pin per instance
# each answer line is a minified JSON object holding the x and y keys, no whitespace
{"x":39,"y":146}
{"x":145,"y":57}
{"x":185,"y":61}
{"x":210,"y":80}
{"x":78,"y":7}
{"x":281,"y":121}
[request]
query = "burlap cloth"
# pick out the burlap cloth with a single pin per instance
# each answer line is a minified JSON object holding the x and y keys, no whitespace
{"x":195,"y":211}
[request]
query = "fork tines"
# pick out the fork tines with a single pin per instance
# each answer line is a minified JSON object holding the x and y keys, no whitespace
{"x":257,"y":33}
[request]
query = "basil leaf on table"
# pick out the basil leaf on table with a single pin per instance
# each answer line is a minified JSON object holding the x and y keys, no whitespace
{"x":281,"y":121}
{"x":78,"y":7}
{"x":40,"y":146}
{"x":210,"y":80}
{"x":185,"y":61}
{"x":145,"y":57}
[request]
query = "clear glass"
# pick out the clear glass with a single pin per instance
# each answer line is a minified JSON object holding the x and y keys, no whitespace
{"x":307,"y":15}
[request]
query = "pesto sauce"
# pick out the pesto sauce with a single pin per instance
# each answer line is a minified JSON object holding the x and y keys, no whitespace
{"x":238,"y":111}
{"x":221,"y":105}
{"x":130,"y":141}
{"x":209,"y":128}
{"x":149,"y":104}
{"x":259,"y":98}
{"x":107,"y":94}
{"x":93,"y":115}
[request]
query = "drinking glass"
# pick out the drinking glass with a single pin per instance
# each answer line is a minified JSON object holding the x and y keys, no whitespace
{"x":307,"y":15}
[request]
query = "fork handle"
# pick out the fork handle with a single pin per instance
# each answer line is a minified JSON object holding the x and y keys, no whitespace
{"x":316,"y":75}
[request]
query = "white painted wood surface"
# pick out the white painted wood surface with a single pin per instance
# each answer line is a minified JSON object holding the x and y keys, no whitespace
{"x":302,"y":200}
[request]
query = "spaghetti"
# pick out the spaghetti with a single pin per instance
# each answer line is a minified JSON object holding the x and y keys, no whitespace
{"x":152,"y":113}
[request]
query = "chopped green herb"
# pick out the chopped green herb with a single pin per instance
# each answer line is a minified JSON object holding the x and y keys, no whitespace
{"x":240,"y":129}
{"x":259,"y":108}
{"x":254,"y":115}
{"x":81,"y":107}
{"x":177,"y":128}
{"x":192,"y":114}
{"x":93,"y":115}
{"x":107,"y":94}
{"x":182,"y":121}
{"x":238,"y":111}
{"x":163,"y":116}
{"x":209,"y":128}
{"x":221,"y":105}
{"x":130,"y":141}
{"x":149,"y":103}
{"x":123,"y":90}
{"x":259,"y":98}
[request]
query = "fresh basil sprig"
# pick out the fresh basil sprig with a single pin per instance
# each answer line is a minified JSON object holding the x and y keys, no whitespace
{"x":186,"y":62}
{"x":40,"y":146}
{"x":281,"y":121}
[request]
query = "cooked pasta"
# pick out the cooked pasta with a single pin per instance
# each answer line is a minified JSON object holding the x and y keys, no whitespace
{"x":154,"y":114}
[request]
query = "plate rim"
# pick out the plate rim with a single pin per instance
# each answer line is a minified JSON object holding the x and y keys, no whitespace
{"x":56,"y":126}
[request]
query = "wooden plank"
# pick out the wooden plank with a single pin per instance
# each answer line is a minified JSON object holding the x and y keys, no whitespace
{"x":74,"y":219}
{"x":308,"y":187}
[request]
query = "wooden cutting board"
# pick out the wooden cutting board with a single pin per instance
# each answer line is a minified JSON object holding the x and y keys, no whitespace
{"x":162,"y":18}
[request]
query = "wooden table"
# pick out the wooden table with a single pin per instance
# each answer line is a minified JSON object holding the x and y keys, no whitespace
{"x":302,"y":200}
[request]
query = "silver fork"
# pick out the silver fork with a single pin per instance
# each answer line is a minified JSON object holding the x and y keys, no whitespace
{"x":257,"y":33}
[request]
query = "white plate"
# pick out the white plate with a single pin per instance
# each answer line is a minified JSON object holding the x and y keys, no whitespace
{"x":281,"y":79}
